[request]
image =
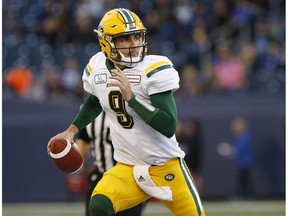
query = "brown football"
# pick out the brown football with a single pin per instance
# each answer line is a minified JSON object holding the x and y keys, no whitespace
{"x":66,"y":155}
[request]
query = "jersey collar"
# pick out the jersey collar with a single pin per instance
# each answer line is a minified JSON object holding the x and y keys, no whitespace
{"x":109,"y":65}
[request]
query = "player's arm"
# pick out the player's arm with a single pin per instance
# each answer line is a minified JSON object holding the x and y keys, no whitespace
{"x":160,"y":115}
{"x":90,"y":109}
{"x":87,"y":113}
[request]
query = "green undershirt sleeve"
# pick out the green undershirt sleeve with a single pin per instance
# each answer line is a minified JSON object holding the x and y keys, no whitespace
{"x":90,"y":109}
{"x":160,"y":115}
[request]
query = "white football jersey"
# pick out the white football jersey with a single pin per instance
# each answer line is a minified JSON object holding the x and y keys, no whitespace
{"x":134,"y":141}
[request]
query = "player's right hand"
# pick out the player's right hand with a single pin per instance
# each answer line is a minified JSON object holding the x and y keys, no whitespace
{"x":123,"y":83}
{"x":68,"y":134}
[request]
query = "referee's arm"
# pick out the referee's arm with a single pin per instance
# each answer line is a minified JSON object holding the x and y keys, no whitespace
{"x":83,"y":142}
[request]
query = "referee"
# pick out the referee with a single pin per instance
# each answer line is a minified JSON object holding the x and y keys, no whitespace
{"x":96,"y":138}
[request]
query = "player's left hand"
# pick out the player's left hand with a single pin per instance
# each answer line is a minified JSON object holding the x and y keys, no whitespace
{"x":123,"y":83}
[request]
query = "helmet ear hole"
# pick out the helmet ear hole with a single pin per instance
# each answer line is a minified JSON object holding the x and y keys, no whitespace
{"x":103,"y":44}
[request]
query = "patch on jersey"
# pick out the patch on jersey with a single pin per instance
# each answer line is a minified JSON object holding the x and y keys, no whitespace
{"x":100,"y":78}
{"x":134,"y":78}
{"x":169,"y":177}
{"x":88,"y":70}
{"x":156,"y":67}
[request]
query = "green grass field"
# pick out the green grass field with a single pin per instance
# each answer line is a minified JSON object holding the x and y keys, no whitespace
{"x":219,"y":208}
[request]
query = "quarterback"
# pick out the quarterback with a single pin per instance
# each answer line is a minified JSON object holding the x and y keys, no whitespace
{"x":136,"y":92}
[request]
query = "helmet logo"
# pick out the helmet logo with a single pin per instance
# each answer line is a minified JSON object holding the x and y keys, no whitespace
{"x":100,"y":30}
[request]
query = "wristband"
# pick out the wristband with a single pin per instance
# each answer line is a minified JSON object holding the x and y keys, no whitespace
{"x":143,"y":109}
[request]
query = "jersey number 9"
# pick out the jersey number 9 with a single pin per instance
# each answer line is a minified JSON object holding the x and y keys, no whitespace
{"x":117,"y":104}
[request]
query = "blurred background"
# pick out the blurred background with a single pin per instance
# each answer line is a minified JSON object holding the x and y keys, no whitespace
{"x":230,"y":55}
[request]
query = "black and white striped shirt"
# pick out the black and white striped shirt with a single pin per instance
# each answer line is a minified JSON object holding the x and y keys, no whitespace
{"x":97,"y":134}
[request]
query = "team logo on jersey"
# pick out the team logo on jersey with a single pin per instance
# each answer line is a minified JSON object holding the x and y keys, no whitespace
{"x":100,"y":78}
{"x":110,"y":85}
{"x":169,"y":177}
{"x":134,"y":78}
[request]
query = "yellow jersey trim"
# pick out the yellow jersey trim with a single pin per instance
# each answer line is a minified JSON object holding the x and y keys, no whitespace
{"x":88,"y":70}
{"x":156,"y":65}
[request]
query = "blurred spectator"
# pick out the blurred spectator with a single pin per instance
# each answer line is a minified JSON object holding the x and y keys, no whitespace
{"x":153,"y":21}
{"x":36,"y":90}
{"x":52,"y":83}
{"x":261,"y":36}
{"x":194,"y":40}
{"x":221,"y":16}
{"x":19,"y":79}
{"x":71,"y":78}
{"x":82,"y":32}
{"x":52,"y":21}
{"x":12,"y":22}
{"x":241,"y":151}
{"x":183,"y":11}
{"x":189,"y":136}
{"x":243,"y":154}
{"x":221,"y":12}
{"x":244,"y":13}
{"x":93,"y":8}
{"x":190,"y":82}
{"x":228,"y":72}
{"x":271,"y":61}
{"x":168,"y":27}
{"x":86,"y":18}
{"x":249,"y":58}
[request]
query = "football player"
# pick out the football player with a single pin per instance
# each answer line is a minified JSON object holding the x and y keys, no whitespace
{"x":136,"y":92}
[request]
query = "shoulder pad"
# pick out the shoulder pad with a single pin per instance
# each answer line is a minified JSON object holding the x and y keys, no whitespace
{"x":93,"y":62}
{"x":88,"y":70}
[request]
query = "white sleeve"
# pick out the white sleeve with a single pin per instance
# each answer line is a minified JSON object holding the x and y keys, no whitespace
{"x":163,"y":77}
{"x":87,"y":73}
{"x":162,"y":81}
{"x":86,"y":78}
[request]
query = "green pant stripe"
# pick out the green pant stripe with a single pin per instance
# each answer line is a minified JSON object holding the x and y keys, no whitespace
{"x":191,"y":186}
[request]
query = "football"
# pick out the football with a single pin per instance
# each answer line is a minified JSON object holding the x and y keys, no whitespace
{"x":66,"y":155}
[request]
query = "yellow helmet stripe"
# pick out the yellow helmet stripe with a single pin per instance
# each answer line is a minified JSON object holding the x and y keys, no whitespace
{"x":156,"y":67}
{"x":127,"y":16}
